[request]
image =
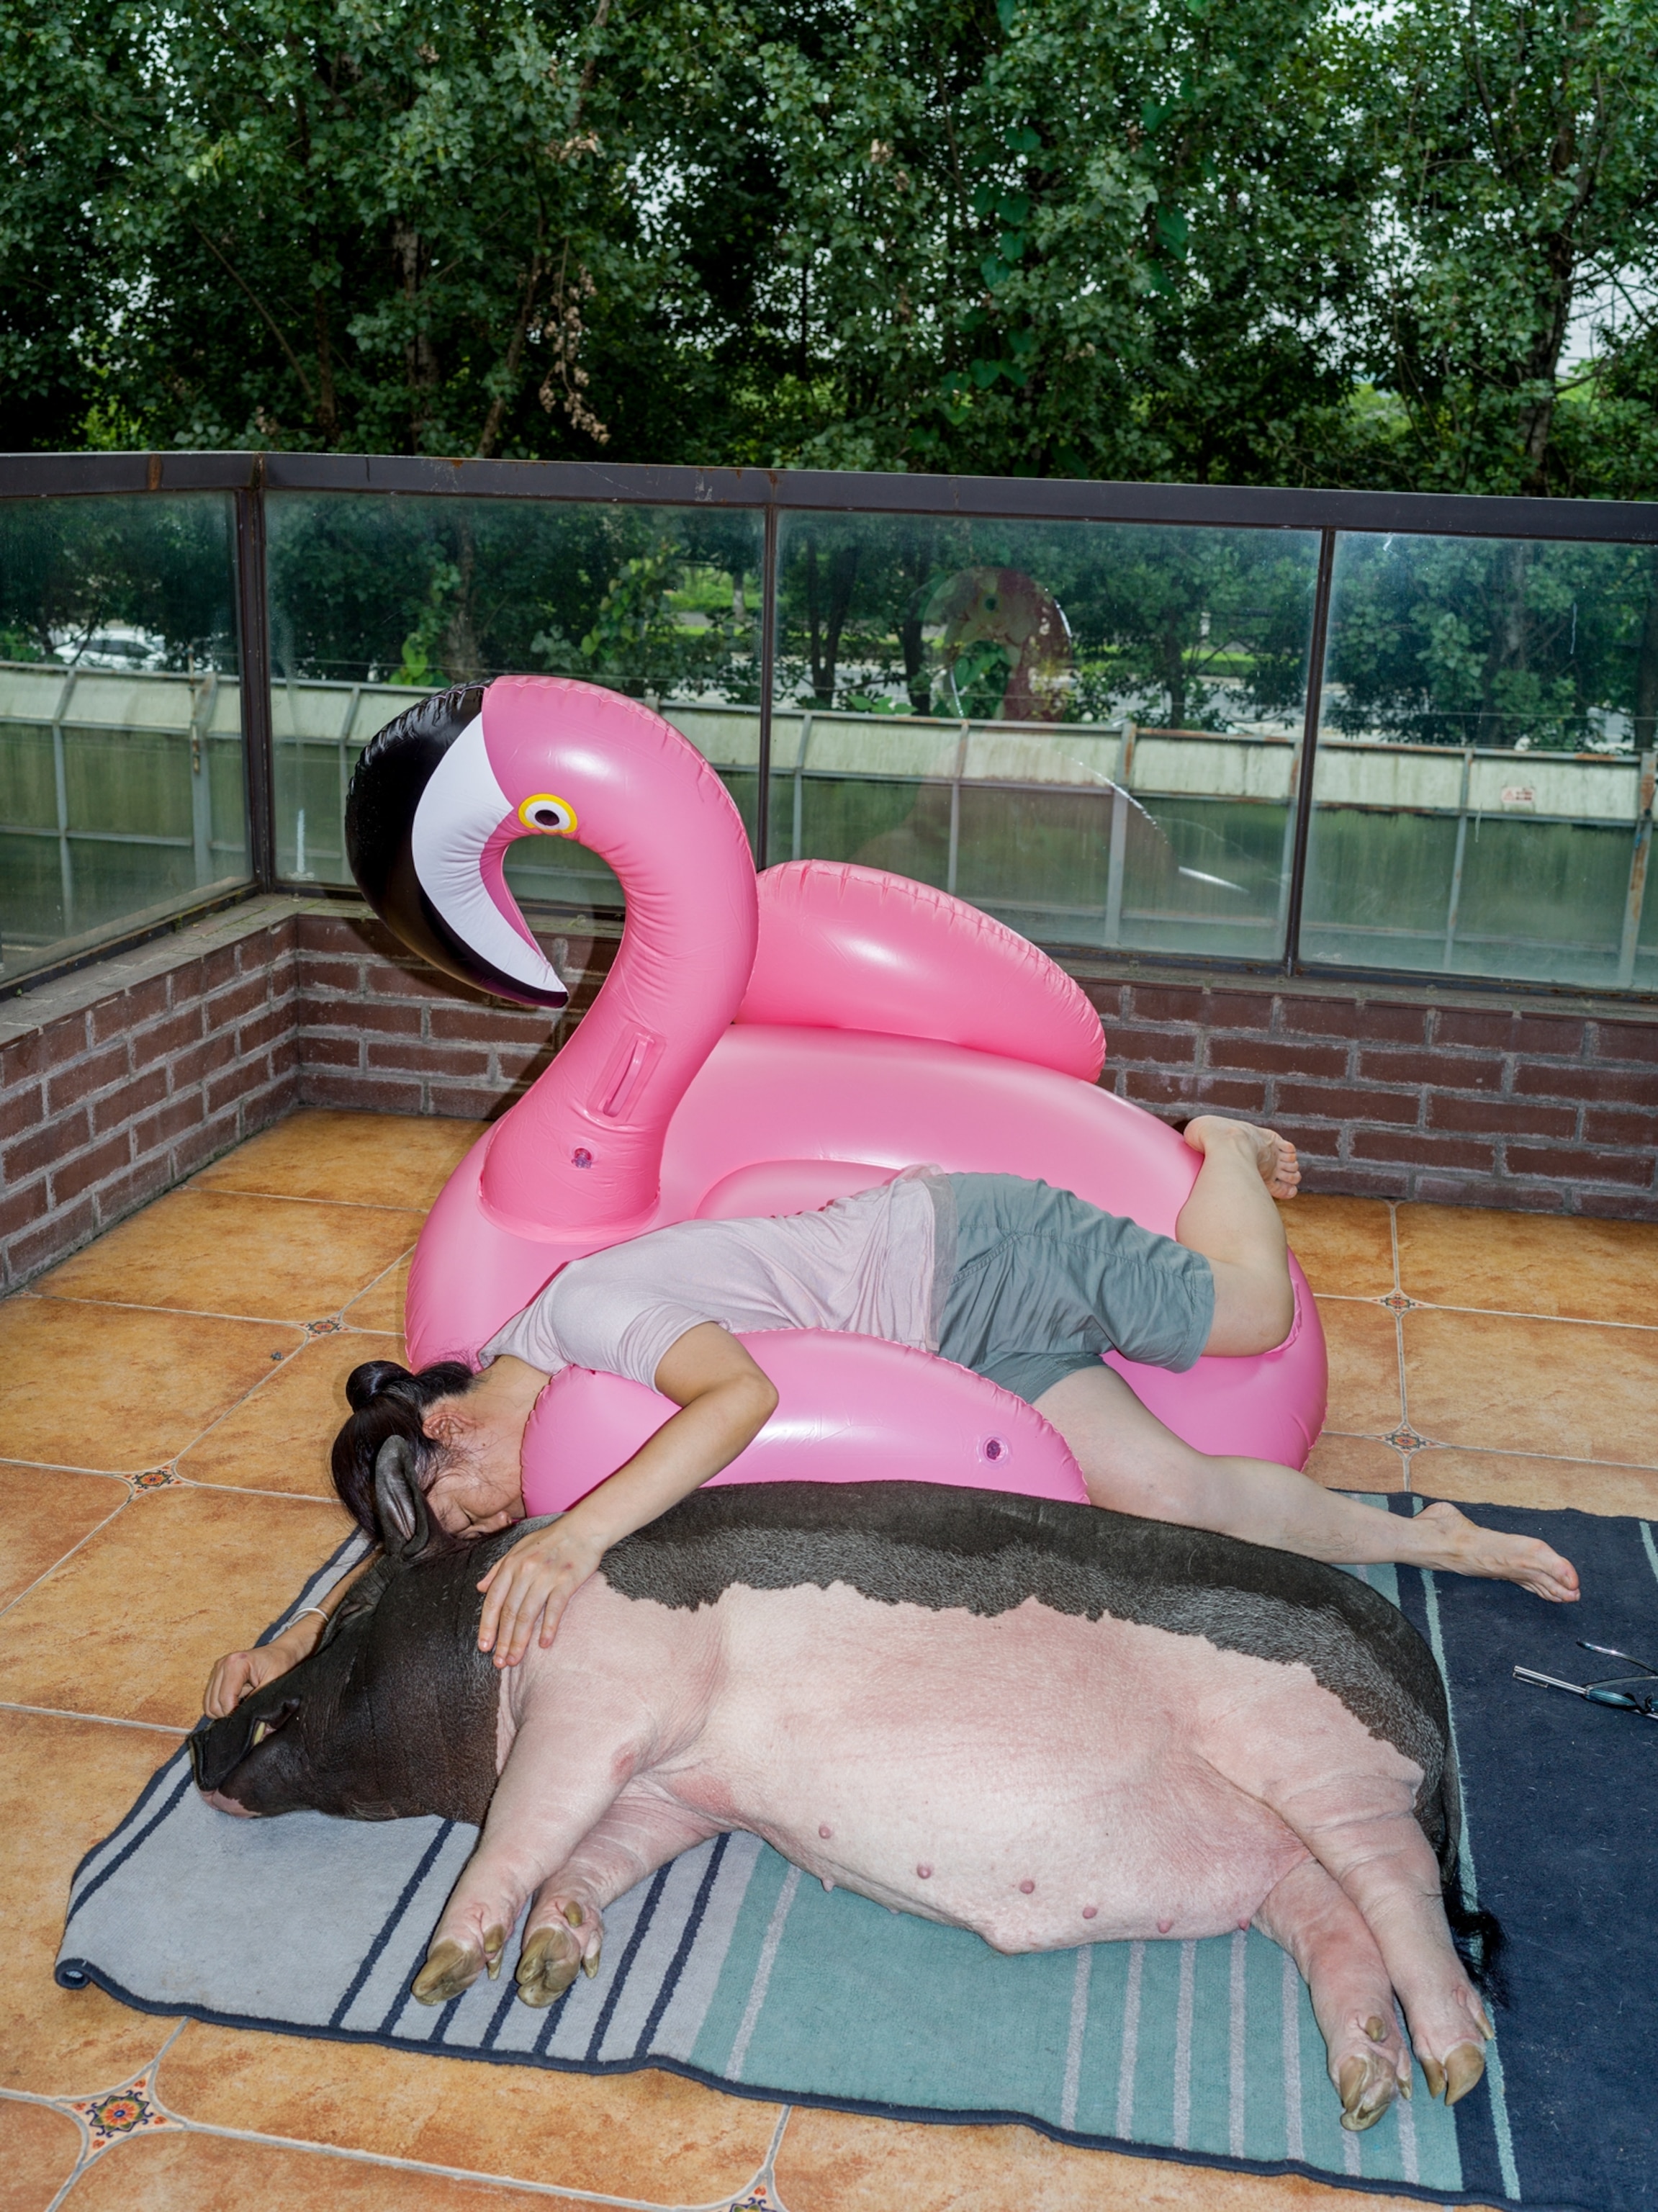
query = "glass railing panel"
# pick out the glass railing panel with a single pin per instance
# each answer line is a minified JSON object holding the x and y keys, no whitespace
{"x":1483,"y":786}
{"x":376,"y":600}
{"x":1088,"y":729}
{"x":123,"y":793}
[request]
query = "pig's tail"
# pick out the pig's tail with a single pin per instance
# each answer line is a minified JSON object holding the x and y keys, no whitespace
{"x":387,"y":1401}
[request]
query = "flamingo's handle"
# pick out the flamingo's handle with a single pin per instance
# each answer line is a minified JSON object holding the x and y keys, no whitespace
{"x":850,"y":1409}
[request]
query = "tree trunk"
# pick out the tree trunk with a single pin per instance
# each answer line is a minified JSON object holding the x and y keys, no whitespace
{"x":1174,"y":675}
{"x":1510,"y":647}
{"x":420,"y":359}
{"x":462,"y":658}
{"x":825,"y":620}
{"x":328,"y":418}
{"x":911,"y":643}
{"x":1646,"y":670}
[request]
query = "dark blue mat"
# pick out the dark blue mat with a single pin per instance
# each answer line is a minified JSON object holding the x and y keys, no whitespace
{"x":1560,"y":1798}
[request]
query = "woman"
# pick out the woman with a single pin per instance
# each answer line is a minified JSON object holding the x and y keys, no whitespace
{"x":1023,"y":1284}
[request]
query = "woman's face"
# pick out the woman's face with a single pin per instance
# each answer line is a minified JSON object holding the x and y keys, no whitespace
{"x":479,"y":1484}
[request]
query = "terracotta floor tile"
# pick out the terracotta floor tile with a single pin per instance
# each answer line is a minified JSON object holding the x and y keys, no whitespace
{"x":223,"y":1252}
{"x":64,"y":1784}
{"x":131,"y":1625}
{"x":1535,"y":1263}
{"x":1345,"y":1245}
{"x":380,"y":1306}
{"x":1506,"y":1478}
{"x":279,"y":1438}
{"x":362,"y":1159}
{"x":1498,"y":1383}
{"x":843,"y":2163}
{"x":41,"y":2148}
{"x":1363,"y":1348}
{"x":174,"y":2171}
{"x":645,"y":2135}
{"x":1357,"y":1463}
{"x":116,"y":1387}
{"x":44,"y":1512}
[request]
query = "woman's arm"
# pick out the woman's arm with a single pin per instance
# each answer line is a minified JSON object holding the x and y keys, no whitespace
{"x":724,"y":1401}
{"x":239,"y":1672}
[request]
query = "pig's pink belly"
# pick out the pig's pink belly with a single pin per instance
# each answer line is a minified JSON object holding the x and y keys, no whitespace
{"x":1039,"y":1778}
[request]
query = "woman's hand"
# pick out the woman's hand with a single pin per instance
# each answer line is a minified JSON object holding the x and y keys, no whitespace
{"x":724,"y":1401}
{"x":534,"y":1582}
{"x":240,"y":1673}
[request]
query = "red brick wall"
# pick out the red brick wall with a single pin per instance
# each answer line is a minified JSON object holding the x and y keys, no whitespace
{"x":127,"y":1078}
{"x":1404,"y":1096}
{"x":106,"y":1104}
{"x":378,"y":1031}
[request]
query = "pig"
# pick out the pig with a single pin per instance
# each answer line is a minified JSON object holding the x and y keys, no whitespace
{"x":1050,"y":1724}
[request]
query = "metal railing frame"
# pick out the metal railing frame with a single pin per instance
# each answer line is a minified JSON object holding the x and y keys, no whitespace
{"x":249,"y":475}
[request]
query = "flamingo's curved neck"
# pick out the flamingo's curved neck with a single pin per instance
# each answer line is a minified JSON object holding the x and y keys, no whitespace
{"x":577,"y":1162}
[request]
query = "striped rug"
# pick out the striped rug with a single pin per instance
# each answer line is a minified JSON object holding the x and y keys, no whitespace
{"x":731,"y":1966}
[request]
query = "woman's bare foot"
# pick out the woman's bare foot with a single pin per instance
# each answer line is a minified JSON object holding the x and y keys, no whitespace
{"x":1274,"y":1156}
{"x":1455,"y":1542}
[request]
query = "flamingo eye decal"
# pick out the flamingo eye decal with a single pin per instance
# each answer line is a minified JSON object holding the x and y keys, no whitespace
{"x":549,"y":815}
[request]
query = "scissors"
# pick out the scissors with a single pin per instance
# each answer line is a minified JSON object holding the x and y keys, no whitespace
{"x":1632,"y":1694}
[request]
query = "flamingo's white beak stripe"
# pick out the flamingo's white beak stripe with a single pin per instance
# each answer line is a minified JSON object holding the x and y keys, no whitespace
{"x":457,"y":844}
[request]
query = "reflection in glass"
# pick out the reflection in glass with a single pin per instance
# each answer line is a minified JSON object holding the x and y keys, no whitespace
{"x":374,"y":601}
{"x":1482,"y":791}
{"x":1088,"y":729}
{"x":122,"y":790}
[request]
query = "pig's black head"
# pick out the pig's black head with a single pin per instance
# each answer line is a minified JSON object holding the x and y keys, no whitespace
{"x":394,"y":1713}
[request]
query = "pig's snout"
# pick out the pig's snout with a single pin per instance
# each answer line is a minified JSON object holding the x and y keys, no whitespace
{"x":219,"y":1748}
{"x":220,"y":1804}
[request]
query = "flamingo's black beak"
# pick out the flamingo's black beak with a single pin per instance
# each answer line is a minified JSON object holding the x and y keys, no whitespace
{"x":426,"y":825}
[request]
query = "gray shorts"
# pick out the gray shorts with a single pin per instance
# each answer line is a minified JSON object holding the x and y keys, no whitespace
{"x":1035,"y":1284}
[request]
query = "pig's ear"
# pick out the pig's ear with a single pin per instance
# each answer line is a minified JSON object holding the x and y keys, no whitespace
{"x":400,"y":1506}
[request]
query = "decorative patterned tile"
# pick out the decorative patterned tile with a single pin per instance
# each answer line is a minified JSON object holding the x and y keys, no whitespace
{"x":153,"y":1478}
{"x":129,"y":2110}
{"x":1405,"y":1438}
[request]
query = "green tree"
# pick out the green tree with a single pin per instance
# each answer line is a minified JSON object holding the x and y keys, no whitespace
{"x":1517,"y":207}
{"x":1057,"y":237}
{"x":309,"y":222}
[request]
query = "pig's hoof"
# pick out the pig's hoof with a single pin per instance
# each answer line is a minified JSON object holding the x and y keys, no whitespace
{"x":1367,"y":2085}
{"x":1464,"y":2065}
{"x":450,"y":1968}
{"x":549,"y":1963}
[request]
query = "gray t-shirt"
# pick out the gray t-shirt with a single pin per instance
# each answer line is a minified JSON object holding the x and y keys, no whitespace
{"x":863,"y":1264}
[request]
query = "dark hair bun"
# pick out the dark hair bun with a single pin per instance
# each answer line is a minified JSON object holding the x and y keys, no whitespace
{"x":387,"y":1401}
{"x":366,"y":1383}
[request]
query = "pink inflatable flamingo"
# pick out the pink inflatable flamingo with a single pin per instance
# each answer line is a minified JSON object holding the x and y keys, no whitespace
{"x":759,"y":1046}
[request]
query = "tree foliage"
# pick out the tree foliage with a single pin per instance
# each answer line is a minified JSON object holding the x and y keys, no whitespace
{"x":1244,"y":241}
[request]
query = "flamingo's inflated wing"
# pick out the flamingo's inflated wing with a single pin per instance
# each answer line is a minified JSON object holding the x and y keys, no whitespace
{"x":845,"y":947}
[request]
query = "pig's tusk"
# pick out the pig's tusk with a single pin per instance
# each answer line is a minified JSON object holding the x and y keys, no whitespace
{"x":261,"y":1729}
